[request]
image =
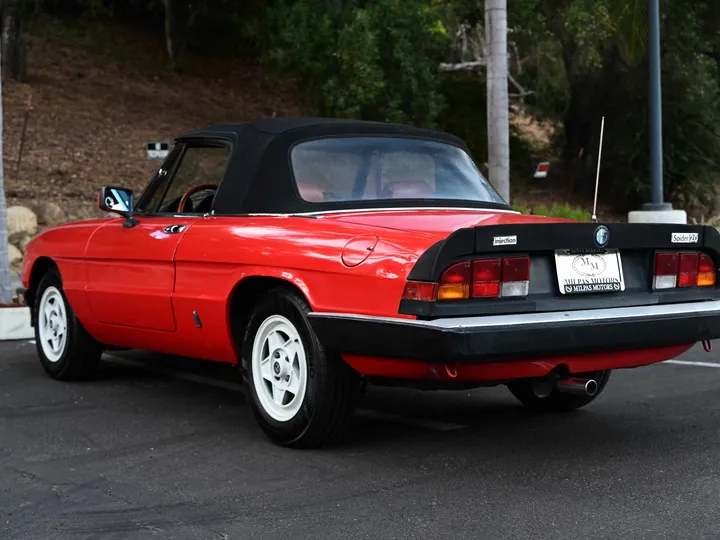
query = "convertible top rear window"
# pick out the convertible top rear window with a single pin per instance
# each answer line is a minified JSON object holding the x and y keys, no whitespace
{"x":347,"y":169}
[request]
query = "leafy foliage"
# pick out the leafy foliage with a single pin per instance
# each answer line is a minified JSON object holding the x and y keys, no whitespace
{"x":376,"y":61}
{"x":561,"y":211}
{"x":582,"y":59}
{"x":691,"y":110}
{"x":587,"y":58}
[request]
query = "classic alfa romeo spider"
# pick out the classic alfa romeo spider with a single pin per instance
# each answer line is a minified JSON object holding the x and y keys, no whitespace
{"x":321,"y":255}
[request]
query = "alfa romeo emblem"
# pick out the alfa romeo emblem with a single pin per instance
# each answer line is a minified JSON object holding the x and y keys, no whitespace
{"x":602,"y":236}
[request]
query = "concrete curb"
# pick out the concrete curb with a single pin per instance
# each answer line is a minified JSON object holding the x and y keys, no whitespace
{"x":676,"y":217}
{"x":15,"y":324}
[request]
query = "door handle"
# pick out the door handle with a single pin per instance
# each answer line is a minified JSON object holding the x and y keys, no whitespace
{"x":174,"y":229}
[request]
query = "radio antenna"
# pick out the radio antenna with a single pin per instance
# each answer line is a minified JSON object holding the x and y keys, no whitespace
{"x":597,"y":177}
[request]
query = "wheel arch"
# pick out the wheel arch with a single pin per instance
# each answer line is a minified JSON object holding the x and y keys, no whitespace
{"x":243,"y":298}
{"x":40,"y":267}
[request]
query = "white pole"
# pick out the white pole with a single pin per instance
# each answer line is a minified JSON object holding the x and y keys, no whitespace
{"x":498,"y":116}
{"x":5,"y":292}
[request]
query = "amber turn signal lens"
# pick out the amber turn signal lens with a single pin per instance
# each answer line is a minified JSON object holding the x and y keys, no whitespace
{"x":453,"y":291}
{"x":455,"y":282}
{"x":706,"y":271}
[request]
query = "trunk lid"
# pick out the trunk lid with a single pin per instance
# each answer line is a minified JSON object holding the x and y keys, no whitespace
{"x":573,"y":265}
{"x":441,"y":222}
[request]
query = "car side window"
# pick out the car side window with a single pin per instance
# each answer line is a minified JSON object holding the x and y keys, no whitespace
{"x":195,"y":180}
{"x":190,"y":184}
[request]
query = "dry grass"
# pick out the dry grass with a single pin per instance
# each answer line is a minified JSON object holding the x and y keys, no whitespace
{"x":101,"y":92}
{"x":94,"y":108}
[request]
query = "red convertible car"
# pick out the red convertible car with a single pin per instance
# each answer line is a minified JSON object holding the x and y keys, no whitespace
{"x":319,"y":255}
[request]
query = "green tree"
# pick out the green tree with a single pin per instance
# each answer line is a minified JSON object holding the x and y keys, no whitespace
{"x":12,"y":40}
{"x":589,"y":60}
{"x":376,"y":61}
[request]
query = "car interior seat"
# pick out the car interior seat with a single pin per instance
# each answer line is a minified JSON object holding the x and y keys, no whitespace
{"x":407,"y":189}
{"x":310,"y":192}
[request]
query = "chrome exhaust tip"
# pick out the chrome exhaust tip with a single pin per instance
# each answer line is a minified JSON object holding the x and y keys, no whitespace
{"x":577,"y":386}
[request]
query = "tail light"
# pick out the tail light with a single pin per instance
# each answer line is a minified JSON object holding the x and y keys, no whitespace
{"x":481,"y":278}
{"x":486,"y":278}
{"x":681,"y":270}
{"x":455,"y":282}
{"x":515,"y":276}
{"x":706,"y":271}
{"x":420,"y":290}
{"x":666,"y":271}
{"x":688,"y":269}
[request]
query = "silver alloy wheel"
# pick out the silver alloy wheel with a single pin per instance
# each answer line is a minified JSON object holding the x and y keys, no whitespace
{"x":52,"y":324}
{"x":279,"y":368}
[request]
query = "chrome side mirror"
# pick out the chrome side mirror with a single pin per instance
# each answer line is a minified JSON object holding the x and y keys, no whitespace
{"x":116,"y":200}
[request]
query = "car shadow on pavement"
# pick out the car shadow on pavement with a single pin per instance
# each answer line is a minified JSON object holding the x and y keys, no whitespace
{"x":488,"y":421}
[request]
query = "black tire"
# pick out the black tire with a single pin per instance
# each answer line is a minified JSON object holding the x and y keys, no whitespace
{"x":332,"y":387}
{"x":558,"y":401}
{"x":79,"y":355}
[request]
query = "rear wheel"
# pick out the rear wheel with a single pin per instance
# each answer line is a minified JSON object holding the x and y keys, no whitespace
{"x":557,"y":401}
{"x":66,"y":350}
{"x":300,"y":396}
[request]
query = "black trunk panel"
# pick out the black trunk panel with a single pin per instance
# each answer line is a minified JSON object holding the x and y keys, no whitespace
{"x":637,"y":244}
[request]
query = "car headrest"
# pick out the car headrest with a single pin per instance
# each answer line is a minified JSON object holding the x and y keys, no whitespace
{"x":407,"y":189}
{"x":310,"y":192}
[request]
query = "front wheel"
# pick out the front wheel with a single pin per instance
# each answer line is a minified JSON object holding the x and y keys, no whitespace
{"x":300,"y":396}
{"x":557,"y":401}
{"x":66,"y":350}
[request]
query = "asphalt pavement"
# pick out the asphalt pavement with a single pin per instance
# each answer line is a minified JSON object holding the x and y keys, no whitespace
{"x":163,"y":448}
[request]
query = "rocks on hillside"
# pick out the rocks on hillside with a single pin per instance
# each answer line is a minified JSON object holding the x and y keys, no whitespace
{"x":49,"y":213}
{"x":21,"y":220}
{"x":20,"y":240}
{"x":16,"y":257}
{"x":22,"y":227}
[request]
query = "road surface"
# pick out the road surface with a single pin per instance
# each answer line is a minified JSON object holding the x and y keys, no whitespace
{"x":149,"y":451}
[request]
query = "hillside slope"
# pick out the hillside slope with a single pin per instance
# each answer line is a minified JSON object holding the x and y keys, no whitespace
{"x":94,"y":108}
{"x":100,"y":91}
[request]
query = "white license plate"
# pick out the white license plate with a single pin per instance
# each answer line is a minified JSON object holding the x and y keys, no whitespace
{"x":589,"y":272}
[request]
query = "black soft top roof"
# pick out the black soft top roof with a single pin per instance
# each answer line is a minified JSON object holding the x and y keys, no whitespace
{"x":339,"y":126}
{"x":259,"y":176}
